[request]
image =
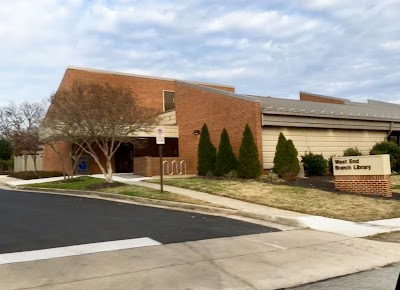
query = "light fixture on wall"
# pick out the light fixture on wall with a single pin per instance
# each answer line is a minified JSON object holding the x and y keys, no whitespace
{"x":196,"y":132}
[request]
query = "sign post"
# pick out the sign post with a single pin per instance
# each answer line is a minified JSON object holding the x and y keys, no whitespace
{"x":160,"y":140}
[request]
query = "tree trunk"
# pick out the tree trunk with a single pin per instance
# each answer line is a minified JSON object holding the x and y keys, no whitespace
{"x":25,"y":162}
{"x":53,"y":146}
{"x":34,"y":162}
{"x":109,"y":171}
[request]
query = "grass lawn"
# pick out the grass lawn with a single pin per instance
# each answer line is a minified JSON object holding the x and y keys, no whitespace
{"x":96,"y":184}
{"x":311,"y":201}
{"x":395,"y":182}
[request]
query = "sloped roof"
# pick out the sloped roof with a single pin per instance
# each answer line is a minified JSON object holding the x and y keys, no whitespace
{"x":143,"y":76}
{"x":373,"y":110}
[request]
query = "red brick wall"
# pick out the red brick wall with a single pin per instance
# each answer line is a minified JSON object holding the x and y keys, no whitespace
{"x":147,"y":90}
{"x":150,"y":166}
{"x":320,"y":99}
{"x":51,"y":160}
{"x":365,"y":184}
{"x":195,"y":106}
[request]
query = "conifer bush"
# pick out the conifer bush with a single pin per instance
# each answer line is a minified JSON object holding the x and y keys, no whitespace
{"x":249,"y":165}
{"x":206,"y":154}
{"x":226,"y":161}
{"x":280,"y":152}
{"x":286,"y":164}
{"x":293,"y":167}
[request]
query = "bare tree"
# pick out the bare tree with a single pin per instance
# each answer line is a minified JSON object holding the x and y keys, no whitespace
{"x":20,"y":124}
{"x":98,"y":118}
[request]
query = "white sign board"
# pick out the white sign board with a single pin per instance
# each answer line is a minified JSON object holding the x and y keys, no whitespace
{"x":160,"y":139}
{"x":362,"y":165}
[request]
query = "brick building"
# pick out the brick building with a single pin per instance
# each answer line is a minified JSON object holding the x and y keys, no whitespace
{"x":315,"y":123}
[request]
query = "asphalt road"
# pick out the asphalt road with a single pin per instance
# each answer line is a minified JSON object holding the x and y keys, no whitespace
{"x":378,"y":279}
{"x":32,"y":221}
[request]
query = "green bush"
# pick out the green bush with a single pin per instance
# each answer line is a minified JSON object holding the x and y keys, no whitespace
{"x":231,"y":175}
{"x":286,"y":164}
{"x":280,"y":152}
{"x":206,"y":154}
{"x":390,"y":148}
{"x":6,"y":165}
{"x":352,"y":151}
{"x":26,"y":175}
{"x":314,"y":164}
{"x":5,"y":149}
{"x":3,"y":165}
{"x":270,"y":177}
{"x":249,"y":165}
{"x":226,"y":160}
{"x":10,"y":164}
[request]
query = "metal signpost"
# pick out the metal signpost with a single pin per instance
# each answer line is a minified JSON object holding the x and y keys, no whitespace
{"x":160,"y":140}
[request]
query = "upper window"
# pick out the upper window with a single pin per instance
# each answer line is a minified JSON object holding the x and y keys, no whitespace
{"x":169,"y":100}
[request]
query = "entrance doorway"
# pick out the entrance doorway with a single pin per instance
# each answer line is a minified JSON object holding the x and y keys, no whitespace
{"x":124,"y":158}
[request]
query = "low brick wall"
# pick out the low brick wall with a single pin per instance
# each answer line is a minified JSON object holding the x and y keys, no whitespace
{"x":150,"y":166}
{"x":365,"y":184}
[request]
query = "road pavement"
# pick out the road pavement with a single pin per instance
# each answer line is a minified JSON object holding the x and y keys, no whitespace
{"x":198,"y":251}
{"x":33,"y":221}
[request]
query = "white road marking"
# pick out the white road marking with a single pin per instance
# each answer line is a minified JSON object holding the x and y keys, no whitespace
{"x":76,"y":250}
{"x":276,"y":246}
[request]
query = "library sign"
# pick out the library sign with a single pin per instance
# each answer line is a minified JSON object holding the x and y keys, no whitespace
{"x":362,"y":165}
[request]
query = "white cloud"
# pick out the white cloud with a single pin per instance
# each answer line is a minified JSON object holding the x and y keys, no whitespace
{"x":276,"y":48}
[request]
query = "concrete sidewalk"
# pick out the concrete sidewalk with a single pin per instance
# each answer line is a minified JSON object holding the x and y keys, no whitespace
{"x":263,"y":261}
{"x":300,"y":220}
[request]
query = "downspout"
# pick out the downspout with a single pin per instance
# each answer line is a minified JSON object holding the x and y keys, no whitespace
{"x":391,"y":130}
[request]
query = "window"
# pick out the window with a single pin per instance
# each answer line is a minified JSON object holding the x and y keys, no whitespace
{"x":169,"y":100}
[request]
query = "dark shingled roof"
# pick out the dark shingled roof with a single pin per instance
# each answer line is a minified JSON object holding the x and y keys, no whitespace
{"x":373,"y":110}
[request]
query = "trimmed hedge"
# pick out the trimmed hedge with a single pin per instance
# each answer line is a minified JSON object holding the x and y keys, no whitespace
{"x":26,"y":175}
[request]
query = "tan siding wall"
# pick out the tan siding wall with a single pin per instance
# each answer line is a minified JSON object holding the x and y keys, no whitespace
{"x":19,"y":163}
{"x":326,"y":141}
{"x":170,"y":131}
{"x":168,"y":118}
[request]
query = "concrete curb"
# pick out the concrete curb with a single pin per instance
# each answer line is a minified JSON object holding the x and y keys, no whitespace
{"x":274,"y":218}
{"x":139,"y":200}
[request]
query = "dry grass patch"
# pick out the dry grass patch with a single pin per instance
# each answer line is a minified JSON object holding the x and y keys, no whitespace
{"x":311,"y":201}
{"x":393,"y":237}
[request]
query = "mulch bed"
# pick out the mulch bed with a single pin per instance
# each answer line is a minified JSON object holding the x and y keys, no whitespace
{"x":318,"y":182}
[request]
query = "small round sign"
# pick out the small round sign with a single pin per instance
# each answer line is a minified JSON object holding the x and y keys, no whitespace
{"x":160,"y":132}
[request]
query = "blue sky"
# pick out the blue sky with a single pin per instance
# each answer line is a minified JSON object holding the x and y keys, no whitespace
{"x":341,"y":48}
